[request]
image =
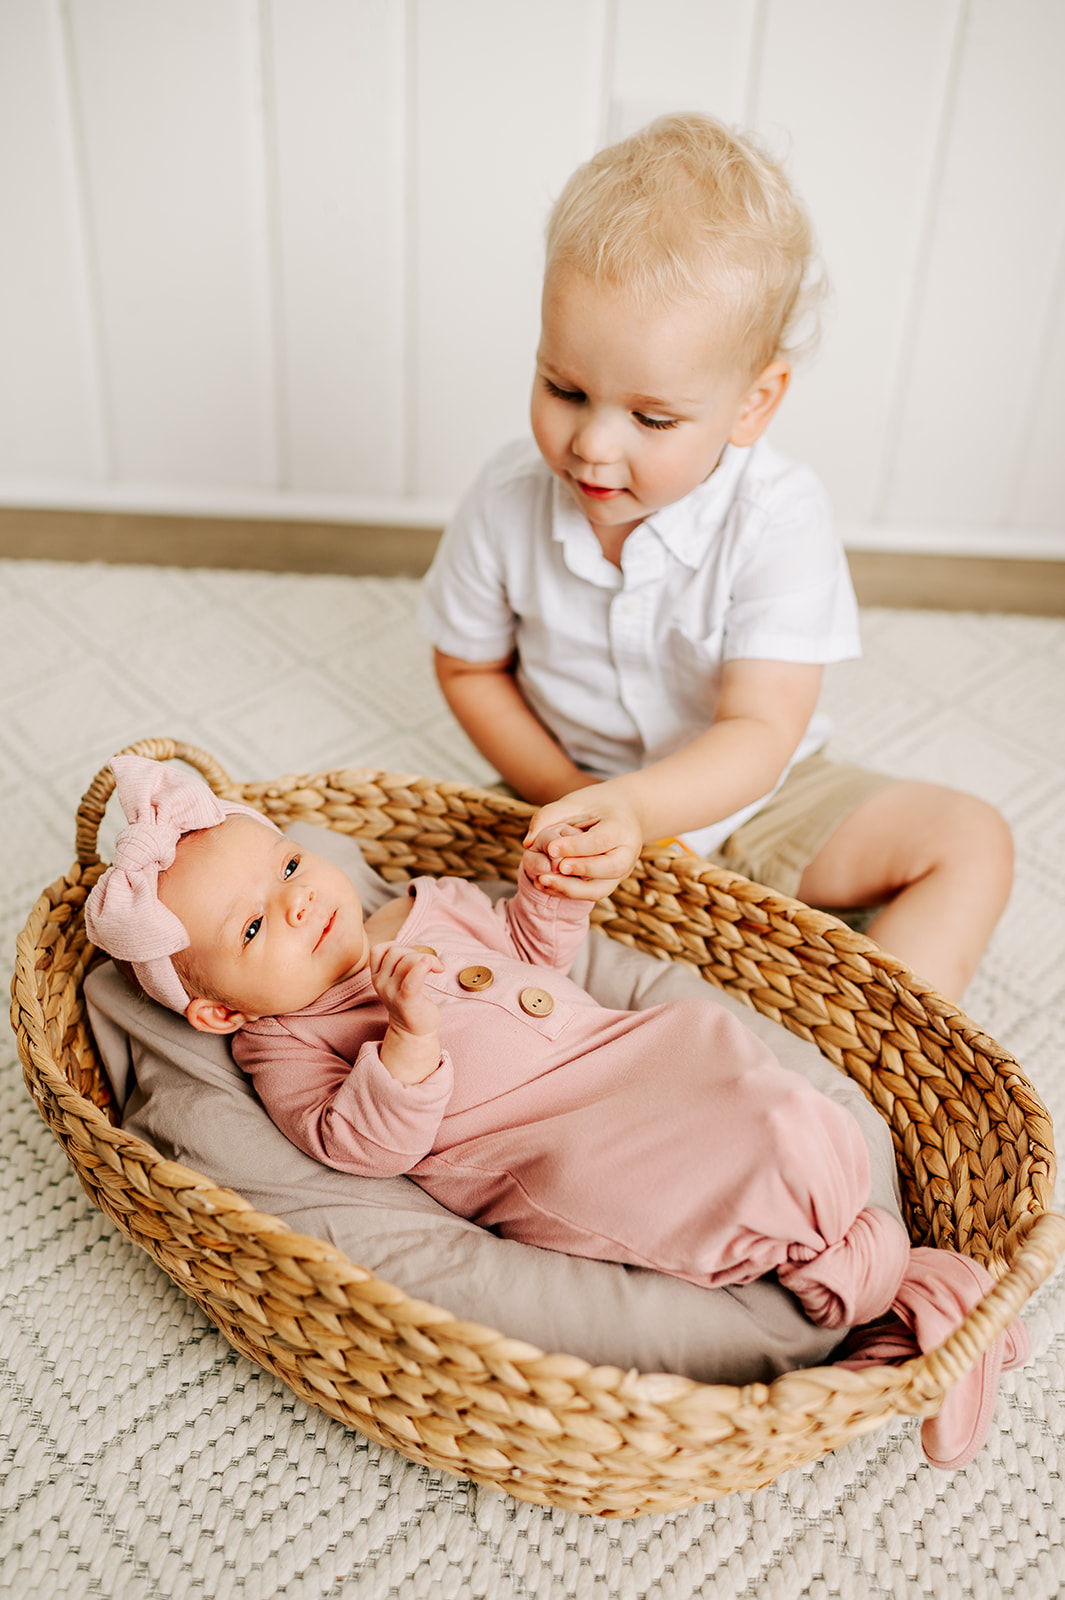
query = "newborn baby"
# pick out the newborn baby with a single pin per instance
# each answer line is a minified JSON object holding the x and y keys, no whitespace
{"x":441,"y":1038}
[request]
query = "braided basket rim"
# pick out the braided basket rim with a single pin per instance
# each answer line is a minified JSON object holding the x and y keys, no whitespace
{"x":545,"y":1426}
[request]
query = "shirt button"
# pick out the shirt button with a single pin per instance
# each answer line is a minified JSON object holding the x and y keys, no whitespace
{"x":476,"y":977}
{"x":536,"y":1002}
{"x":424,"y":949}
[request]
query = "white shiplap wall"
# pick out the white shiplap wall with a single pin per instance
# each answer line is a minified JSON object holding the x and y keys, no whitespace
{"x":282,"y":257}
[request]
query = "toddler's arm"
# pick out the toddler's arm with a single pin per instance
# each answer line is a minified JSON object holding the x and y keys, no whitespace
{"x":762,"y":712}
{"x":486,"y":701}
{"x":410,"y":1049}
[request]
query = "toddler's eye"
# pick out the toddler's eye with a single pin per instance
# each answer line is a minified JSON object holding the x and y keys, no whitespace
{"x":252,"y":929}
{"x":654,"y":422}
{"x":291,"y":866}
{"x":574,"y":396}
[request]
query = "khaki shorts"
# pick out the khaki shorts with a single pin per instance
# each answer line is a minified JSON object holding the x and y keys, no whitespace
{"x":777,"y":845}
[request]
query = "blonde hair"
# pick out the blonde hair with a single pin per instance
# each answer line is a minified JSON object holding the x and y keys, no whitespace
{"x":686,"y":207}
{"x":184,"y":962}
{"x":187,"y":968}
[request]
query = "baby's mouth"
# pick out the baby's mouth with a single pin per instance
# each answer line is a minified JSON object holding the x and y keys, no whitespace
{"x":326,"y":931}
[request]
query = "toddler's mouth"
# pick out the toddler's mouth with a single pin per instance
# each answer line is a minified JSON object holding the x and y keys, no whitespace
{"x":326,"y":931}
{"x":596,"y":491}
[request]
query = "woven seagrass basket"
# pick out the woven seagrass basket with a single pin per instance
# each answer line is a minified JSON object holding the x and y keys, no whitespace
{"x":973,"y":1142}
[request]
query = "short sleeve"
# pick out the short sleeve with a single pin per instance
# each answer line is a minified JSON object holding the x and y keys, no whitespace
{"x":465,"y":610}
{"x":791,"y":593}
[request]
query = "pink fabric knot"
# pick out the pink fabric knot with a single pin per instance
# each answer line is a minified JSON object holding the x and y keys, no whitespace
{"x":853,"y":1280}
{"x":922,"y":1295}
{"x":145,"y":843}
{"x":938,"y":1290}
{"x":123,"y":913}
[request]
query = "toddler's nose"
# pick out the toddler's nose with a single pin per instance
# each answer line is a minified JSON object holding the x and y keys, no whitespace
{"x":595,"y":439}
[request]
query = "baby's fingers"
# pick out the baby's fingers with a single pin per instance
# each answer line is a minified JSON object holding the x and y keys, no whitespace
{"x":400,"y":984}
{"x":573,"y":888}
{"x":555,"y":820}
{"x":398,"y":972}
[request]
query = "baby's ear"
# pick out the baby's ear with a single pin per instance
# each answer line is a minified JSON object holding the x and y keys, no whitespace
{"x":211,"y":1016}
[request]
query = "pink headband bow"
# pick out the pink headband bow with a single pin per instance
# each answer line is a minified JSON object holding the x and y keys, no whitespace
{"x":123,"y":913}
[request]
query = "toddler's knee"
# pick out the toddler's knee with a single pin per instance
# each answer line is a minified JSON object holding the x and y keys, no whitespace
{"x":981,"y":835}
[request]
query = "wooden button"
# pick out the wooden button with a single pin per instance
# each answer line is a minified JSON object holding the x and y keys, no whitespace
{"x":476,"y":977}
{"x":424,"y":949}
{"x":536,"y":1002}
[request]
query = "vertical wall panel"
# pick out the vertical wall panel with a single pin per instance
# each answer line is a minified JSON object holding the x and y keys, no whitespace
{"x":338,"y":75}
{"x":680,"y":55}
{"x":852,"y":96}
{"x":174,"y":188}
{"x":50,"y":426}
{"x":260,"y":252}
{"x":1039,"y":497}
{"x":507,"y":104}
{"x":990,"y":277}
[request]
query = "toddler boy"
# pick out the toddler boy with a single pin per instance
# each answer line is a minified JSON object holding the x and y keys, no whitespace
{"x":631,"y":620}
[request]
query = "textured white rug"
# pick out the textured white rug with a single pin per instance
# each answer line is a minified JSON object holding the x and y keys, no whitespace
{"x":142,"y":1457}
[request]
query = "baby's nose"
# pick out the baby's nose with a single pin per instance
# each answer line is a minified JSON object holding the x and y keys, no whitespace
{"x":300,"y":899}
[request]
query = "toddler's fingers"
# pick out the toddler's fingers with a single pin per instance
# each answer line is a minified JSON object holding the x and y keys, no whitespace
{"x":614,"y":863}
{"x":545,"y":837}
{"x":597,"y":841}
{"x":572,"y":888}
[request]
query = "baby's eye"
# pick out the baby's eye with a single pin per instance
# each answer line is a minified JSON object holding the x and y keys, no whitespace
{"x":574,"y":396}
{"x":654,"y":422}
{"x":290,"y":866}
{"x":252,"y":929}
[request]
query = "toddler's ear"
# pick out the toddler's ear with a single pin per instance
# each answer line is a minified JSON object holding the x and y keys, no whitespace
{"x":211,"y":1016}
{"x":760,"y":403}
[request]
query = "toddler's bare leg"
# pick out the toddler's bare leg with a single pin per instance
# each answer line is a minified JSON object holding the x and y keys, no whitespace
{"x":940,"y":861}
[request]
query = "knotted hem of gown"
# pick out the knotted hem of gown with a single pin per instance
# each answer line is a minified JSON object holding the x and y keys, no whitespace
{"x":938,"y":1291}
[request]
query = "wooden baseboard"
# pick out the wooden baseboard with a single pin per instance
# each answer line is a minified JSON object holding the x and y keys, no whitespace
{"x":236,"y":543}
{"x":925,"y":582}
{"x":958,"y":583}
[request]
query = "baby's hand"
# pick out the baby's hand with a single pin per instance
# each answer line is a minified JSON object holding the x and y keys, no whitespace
{"x":538,"y":863}
{"x":589,"y":846}
{"x":410,"y":1049}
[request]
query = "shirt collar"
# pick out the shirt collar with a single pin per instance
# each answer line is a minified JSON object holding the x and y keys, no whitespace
{"x":685,"y":528}
{"x":580,"y":547}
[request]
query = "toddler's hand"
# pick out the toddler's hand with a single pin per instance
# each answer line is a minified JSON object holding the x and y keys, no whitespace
{"x":590,"y":844}
{"x":410,"y":1049}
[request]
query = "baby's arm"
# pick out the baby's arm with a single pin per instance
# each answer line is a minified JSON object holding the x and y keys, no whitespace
{"x":345,"y":1109}
{"x":410,"y":1049}
{"x":544,"y":925}
{"x":486,"y":701}
{"x":762,"y":712}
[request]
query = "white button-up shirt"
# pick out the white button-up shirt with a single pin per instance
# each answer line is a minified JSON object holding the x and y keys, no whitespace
{"x":624,"y":665}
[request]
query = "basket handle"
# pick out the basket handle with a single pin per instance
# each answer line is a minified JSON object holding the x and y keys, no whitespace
{"x":1031,"y":1266}
{"x":94,"y":800}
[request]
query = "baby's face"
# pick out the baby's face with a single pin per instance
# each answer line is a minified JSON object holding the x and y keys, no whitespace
{"x":632,"y":405}
{"x":271,"y":926}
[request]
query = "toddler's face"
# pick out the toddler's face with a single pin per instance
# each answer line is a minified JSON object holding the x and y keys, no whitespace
{"x":632,"y":405}
{"x":271,"y":926}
